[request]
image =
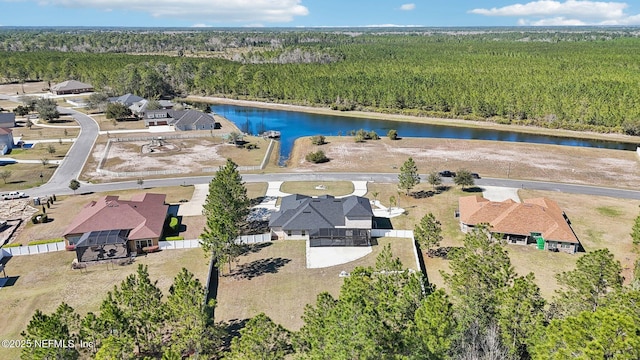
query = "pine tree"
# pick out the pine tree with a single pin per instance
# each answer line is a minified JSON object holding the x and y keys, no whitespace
{"x":596,"y":275}
{"x":520,"y":313}
{"x":480,"y":270}
{"x":428,"y":232}
{"x":190,"y":317}
{"x":408,"y":177}
{"x":260,"y":339}
{"x":226,"y":209}
{"x":635,"y":231}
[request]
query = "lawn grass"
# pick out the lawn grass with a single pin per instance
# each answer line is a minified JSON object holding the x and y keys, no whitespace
{"x":256,"y":190}
{"x":25,"y":176}
{"x":45,"y":280}
{"x":46,"y":133}
{"x":41,"y":151}
{"x":283,"y":285}
{"x":63,"y":211}
{"x":111,"y":124}
{"x":309,"y":188}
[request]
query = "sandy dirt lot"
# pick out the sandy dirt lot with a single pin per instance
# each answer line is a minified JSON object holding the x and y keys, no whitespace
{"x":615,"y":168}
{"x":187,"y":155}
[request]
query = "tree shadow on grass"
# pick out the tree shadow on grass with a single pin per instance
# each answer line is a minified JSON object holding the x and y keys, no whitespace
{"x":253,"y":248}
{"x":232,"y":330}
{"x":475,"y":189}
{"x":259,"y":267}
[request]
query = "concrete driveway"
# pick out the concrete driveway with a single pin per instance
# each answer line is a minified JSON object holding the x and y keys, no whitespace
{"x":194,"y":206}
{"x":499,"y":193}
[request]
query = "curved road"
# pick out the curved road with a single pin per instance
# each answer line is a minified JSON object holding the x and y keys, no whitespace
{"x":76,"y":156}
{"x":81,"y":150}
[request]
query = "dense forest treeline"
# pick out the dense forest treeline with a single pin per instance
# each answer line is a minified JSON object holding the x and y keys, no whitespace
{"x":583,"y":80}
{"x":382,"y":312}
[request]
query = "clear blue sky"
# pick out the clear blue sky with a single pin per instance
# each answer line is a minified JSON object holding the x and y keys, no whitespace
{"x":295,"y":13}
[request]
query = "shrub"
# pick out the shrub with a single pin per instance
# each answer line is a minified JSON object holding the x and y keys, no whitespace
{"x":174,"y":238}
{"x":393,"y":134}
{"x":12,"y":245}
{"x":317,"y":157}
{"x":359,"y":138}
{"x":363,"y":134}
{"x":373,"y":135}
{"x":173,"y":223}
{"x":39,"y":218}
{"x":251,"y":146}
{"x":318,"y":140}
{"x":46,"y":241}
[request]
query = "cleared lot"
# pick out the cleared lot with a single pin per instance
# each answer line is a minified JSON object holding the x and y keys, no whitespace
{"x":615,"y":168}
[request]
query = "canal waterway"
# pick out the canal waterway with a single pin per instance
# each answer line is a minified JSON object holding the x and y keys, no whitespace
{"x":294,"y":124}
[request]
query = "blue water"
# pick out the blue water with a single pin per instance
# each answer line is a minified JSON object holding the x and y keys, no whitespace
{"x":293,"y":124}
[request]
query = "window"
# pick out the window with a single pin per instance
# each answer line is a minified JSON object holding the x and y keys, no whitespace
{"x":143,"y":243}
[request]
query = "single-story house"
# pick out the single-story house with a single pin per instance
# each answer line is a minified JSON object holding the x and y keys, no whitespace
{"x":139,"y":108}
{"x":7,"y":120}
{"x":6,"y":140}
{"x":112,"y":228}
{"x":538,"y":220}
{"x":126,"y":99}
{"x":324,"y":221}
{"x":71,"y":87}
{"x":184,"y":120}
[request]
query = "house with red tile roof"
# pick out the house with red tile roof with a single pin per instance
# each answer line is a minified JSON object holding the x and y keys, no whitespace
{"x":110,"y":228}
{"x":520,"y":223}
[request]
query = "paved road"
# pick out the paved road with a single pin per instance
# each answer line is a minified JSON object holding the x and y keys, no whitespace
{"x":76,"y":157}
{"x":383,"y":178}
{"x":81,"y":149}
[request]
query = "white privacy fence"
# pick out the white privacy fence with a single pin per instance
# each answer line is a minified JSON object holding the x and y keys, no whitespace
{"x":33,"y":249}
{"x":179,"y":244}
{"x":254,"y":239}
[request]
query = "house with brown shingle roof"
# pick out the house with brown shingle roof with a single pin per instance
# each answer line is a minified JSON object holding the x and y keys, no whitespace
{"x":110,"y":228}
{"x":520,"y":223}
{"x":71,"y":87}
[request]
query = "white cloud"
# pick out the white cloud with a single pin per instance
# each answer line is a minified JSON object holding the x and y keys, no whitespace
{"x":200,"y":25}
{"x":408,"y":7}
{"x":570,"y":12}
{"x":556,"y":21}
{"x":212,"y":11}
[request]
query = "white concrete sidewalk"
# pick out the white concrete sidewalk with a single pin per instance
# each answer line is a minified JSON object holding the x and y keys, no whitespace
{"x":359,"y":189}
{"x":25,"y":161}
{"x":498,"y":193}
{"x":383,"y":211}
{"x":151,"y":129}
{"x":194,"y":206}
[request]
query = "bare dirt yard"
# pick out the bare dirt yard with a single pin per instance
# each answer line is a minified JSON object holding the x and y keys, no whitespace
{"x":190,"y":156}
{"x":44,"y":281}
{"x":23,"y":89}
{"x":274,"y":279}
{"x":615,"y":168}
{"x":599,"y":222}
